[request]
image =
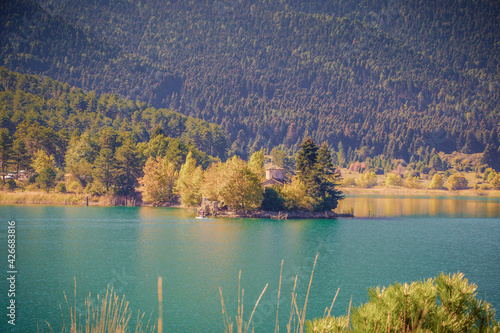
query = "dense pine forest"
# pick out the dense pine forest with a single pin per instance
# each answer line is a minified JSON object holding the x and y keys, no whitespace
{"x":382,"y":77}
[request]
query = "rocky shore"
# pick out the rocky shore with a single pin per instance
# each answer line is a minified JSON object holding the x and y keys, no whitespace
{"x":282,"y":215}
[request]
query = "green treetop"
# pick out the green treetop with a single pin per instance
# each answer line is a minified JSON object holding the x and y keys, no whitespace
{"x":189,"y":182}
{"x":315,"y":170}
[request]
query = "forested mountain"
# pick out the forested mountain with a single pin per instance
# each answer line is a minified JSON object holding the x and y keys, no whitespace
{"x":45,"y":113}
{"x":384,"y":75}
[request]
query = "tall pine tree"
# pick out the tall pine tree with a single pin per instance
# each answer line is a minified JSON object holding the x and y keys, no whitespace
{"x":315,"y":169}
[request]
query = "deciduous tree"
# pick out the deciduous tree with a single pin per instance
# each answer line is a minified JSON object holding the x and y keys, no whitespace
{"x":456,"y":182}
{"x":241,"y":189}
{"x":189,"y":182}
{"x":436,"y":182}
{"x":160,"y":177}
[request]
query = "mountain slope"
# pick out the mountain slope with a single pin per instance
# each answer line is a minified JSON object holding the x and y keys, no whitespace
{"x":387,"y":77}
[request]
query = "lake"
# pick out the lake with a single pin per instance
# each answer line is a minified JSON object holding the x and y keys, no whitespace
{"x":128,"y":248}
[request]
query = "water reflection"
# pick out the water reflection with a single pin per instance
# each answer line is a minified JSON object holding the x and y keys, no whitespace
{"x":392,"y":206}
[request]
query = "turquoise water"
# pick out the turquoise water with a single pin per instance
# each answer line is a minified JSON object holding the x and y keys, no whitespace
{"x":128,"y":248}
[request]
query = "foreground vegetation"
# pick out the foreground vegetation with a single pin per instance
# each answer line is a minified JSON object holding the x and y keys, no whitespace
{"x":447,"y":303}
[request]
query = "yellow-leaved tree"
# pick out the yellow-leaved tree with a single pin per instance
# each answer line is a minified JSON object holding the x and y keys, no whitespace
{"x":296,"y":197}
{"x":189,"y":182}
{"x":160,"y":177}
{"x":212,"y":181}
{"x":437,"y":182}
{"x":456,"y":182}
{"x":233,"y":184}
{"x":241,"y":189}
{"x":256,"y":164}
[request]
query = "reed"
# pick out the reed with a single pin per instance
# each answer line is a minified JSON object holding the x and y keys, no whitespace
{"x":297,"y":316}
{"x":241,"y":325}
{"x":54,"y":198}
{"x":108,"y":313}
{"x":32,"y":197}
{"x":160,"y":304}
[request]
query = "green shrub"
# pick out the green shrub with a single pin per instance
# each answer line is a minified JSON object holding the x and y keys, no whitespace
{"x":367,"y":180}
{"x":11,"y":184}
{"x":75,"y":187}
{"x":412,"y":182}
{"x":484,"y":187}
{"x":447,"y":303}
{"x":491,"y":176}
{"x":61,"y":188}
{"x":436,"y":182}
{"x":487,"y":173}
{"x":393,"y":180}
{"x":456,"y":182}
{"x":95,"y":188}
{"x":348,"y":181}
{"x":273,"y":201}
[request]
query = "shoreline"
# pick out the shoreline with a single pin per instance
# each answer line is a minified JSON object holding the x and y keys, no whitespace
{"x":283,"y":215}
{"x":402,"y":191}
{"x":75,"y":199}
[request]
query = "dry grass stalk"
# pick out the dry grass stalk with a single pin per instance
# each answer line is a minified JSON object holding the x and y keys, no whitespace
{"x":277,"y":325}
{"x":160,"y":305}
{"x":108,"y":314}
{"x":240,"y":324}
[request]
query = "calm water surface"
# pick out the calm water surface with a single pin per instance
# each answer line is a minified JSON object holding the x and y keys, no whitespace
{"x":129,"y":247}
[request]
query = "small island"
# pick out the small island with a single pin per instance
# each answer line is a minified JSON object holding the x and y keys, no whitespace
{"x":237,"y":189}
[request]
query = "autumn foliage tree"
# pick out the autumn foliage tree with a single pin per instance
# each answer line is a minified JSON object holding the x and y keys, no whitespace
{"x":189,"y":182}
{"x":456,"y":182}
{"x":160,"y":177}
{"x":233,"y":184}
{"x":436,"y":182}
{"x":241,"y":189}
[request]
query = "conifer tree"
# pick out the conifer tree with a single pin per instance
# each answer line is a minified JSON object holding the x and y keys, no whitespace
{"x":328,"y":196}
{"x":5,"y":148}
{"x":315,"y":171}
{"x":491,"y":156}
{"x":20,"y":155}
{"x":127,"y":168}
{"x":307,"y":158}
{"x":104,"y":167}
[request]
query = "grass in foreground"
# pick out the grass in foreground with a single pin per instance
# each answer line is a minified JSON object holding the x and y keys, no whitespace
{"x":109,"y":314}
{"x":446,"y":303}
